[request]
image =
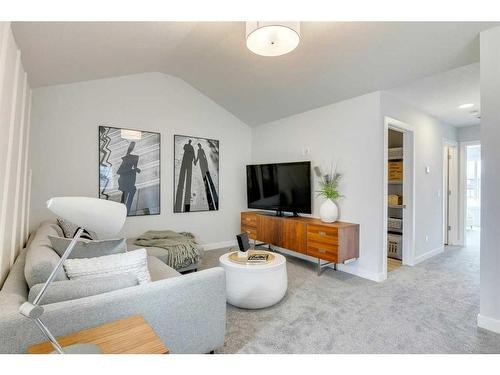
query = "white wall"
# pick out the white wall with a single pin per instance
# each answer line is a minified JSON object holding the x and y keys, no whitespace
{"x":428,"y":140}
{"x":489,"y":316}
{"x":469,"y":133}
{"x":15,"y":99}
{"x":64,"y":146}
{"x":350,"y":134}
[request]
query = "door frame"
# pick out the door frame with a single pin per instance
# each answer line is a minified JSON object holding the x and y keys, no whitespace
{"x":462,"y":211}
{"x":452,"y":185}
{"x":408,"y":190}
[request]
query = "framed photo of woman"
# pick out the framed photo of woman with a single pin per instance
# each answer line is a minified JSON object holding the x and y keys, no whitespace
{"x":129,"y":169}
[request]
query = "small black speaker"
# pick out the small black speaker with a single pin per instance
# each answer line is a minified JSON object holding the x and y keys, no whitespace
{"x":243,"y":242}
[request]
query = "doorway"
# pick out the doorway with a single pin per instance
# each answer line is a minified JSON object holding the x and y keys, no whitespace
{"x":399,"y":192}
{"x":472,"y":194}
{"x":450,"y":193}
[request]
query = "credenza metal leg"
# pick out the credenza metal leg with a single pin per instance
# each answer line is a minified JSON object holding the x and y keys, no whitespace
{"x":321,"y":266}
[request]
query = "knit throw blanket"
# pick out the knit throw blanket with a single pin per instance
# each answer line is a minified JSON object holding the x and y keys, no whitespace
{"x":181,"y":247}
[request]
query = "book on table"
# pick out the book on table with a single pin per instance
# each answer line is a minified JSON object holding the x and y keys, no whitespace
{"x":258,"y":258}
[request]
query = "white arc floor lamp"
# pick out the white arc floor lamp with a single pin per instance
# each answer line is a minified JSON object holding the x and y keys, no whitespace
{"x":101,"y":216}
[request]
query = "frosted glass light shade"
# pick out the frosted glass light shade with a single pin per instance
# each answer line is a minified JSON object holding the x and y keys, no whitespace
{"x":272,"y":38}
{"x":104,"y":217}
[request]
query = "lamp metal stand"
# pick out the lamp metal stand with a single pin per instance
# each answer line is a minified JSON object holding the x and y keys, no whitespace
{"x":34,"y":311}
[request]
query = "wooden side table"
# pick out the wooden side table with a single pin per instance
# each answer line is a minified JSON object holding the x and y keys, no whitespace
{"x":132,"y":335}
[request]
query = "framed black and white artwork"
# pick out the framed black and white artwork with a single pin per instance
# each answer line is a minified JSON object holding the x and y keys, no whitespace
{"x":129,"y":169}
{"x":196,"y":174}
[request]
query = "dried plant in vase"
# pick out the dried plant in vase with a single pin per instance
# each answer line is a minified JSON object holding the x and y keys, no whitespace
{"x":328,"y":188}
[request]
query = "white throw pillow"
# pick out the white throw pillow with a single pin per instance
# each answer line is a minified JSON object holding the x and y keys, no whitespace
{"x":135,"y":262}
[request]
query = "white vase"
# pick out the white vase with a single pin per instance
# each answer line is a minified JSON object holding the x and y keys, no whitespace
{"x":328,"y":212}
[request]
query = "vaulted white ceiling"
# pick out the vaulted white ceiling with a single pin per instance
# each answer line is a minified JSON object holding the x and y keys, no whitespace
{"x":441,"y":95}
{"x":334,"y":61}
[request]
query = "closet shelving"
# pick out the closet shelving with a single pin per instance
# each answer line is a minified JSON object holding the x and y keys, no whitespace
{"x":395,"y":187}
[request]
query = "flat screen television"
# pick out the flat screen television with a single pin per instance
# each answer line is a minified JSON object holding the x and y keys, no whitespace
{"x":281,"y":187}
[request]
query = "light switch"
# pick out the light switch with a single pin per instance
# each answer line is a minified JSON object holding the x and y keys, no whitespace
{"x":427,"y":170}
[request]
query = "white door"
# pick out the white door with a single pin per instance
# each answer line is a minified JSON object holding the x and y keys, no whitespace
{"x":450,"y":194}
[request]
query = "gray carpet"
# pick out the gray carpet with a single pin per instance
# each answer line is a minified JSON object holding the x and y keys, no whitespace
{"x":429,"y":308}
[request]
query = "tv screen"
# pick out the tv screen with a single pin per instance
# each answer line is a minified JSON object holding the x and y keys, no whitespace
{"x":280,"y":187}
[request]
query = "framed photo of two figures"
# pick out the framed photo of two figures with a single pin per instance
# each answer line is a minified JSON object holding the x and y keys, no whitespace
{"x":196,"y":174}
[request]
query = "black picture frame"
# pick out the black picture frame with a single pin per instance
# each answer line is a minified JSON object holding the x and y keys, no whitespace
{"x":153,"y":191}
{"x":211,"y":185}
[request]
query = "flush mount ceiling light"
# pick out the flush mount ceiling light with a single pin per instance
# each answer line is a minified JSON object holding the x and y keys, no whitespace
{"x":467,"y":105}
{"x":272,"y":38}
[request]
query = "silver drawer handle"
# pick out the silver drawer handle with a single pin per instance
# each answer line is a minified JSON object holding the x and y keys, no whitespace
{"x":322,"y":251}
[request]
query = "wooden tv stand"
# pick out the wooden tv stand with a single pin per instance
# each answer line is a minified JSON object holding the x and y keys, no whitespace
{"x":335,"y":243}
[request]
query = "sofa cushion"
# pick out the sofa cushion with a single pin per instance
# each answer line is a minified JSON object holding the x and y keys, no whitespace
{"x":159,"y":270}
{"x":88,"y":248}
{"x":14,"y":291}
{"x":41,"y":259}
{"x":115,"y":264}
{"x":69,"y":229}
{"x":73,"y":289}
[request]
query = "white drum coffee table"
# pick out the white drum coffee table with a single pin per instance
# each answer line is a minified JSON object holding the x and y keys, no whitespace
{"x":255,"y":286}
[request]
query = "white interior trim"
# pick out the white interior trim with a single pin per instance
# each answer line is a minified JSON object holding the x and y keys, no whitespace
{"x":218,"y":245}
{"x":488,"y":323}
{"x":462,"y":193}
{"x":24,"y":231}
{"x":453,"y":185}
{"x":8,"y":161}
{"x":16,"y":217}
{"x":28,"y":205}
{"x":427,"y":255}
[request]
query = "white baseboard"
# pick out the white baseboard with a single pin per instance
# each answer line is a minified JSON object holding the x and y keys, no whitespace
{"x":361,"y":272}
{"x":218,"y":245}
{"x":427,"y":255}
{"x":488,"y":323}
{"x":348,"y":268}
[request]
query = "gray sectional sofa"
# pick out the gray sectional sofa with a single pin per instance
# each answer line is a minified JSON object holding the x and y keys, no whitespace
{"x":188,"y":312}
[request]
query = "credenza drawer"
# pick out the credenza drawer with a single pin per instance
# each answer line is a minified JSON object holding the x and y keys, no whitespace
{"x":249,"y":220}
{"x":323,"y":234}
{"x":322,"y":252}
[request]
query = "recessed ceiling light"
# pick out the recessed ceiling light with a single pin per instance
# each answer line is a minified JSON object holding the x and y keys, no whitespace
{"x":272,"y":38}
{"x":467,"y":105}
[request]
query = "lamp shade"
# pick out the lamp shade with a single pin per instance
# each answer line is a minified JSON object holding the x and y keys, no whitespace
{"x":101,"y":216}
{"x":272,"y":38}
